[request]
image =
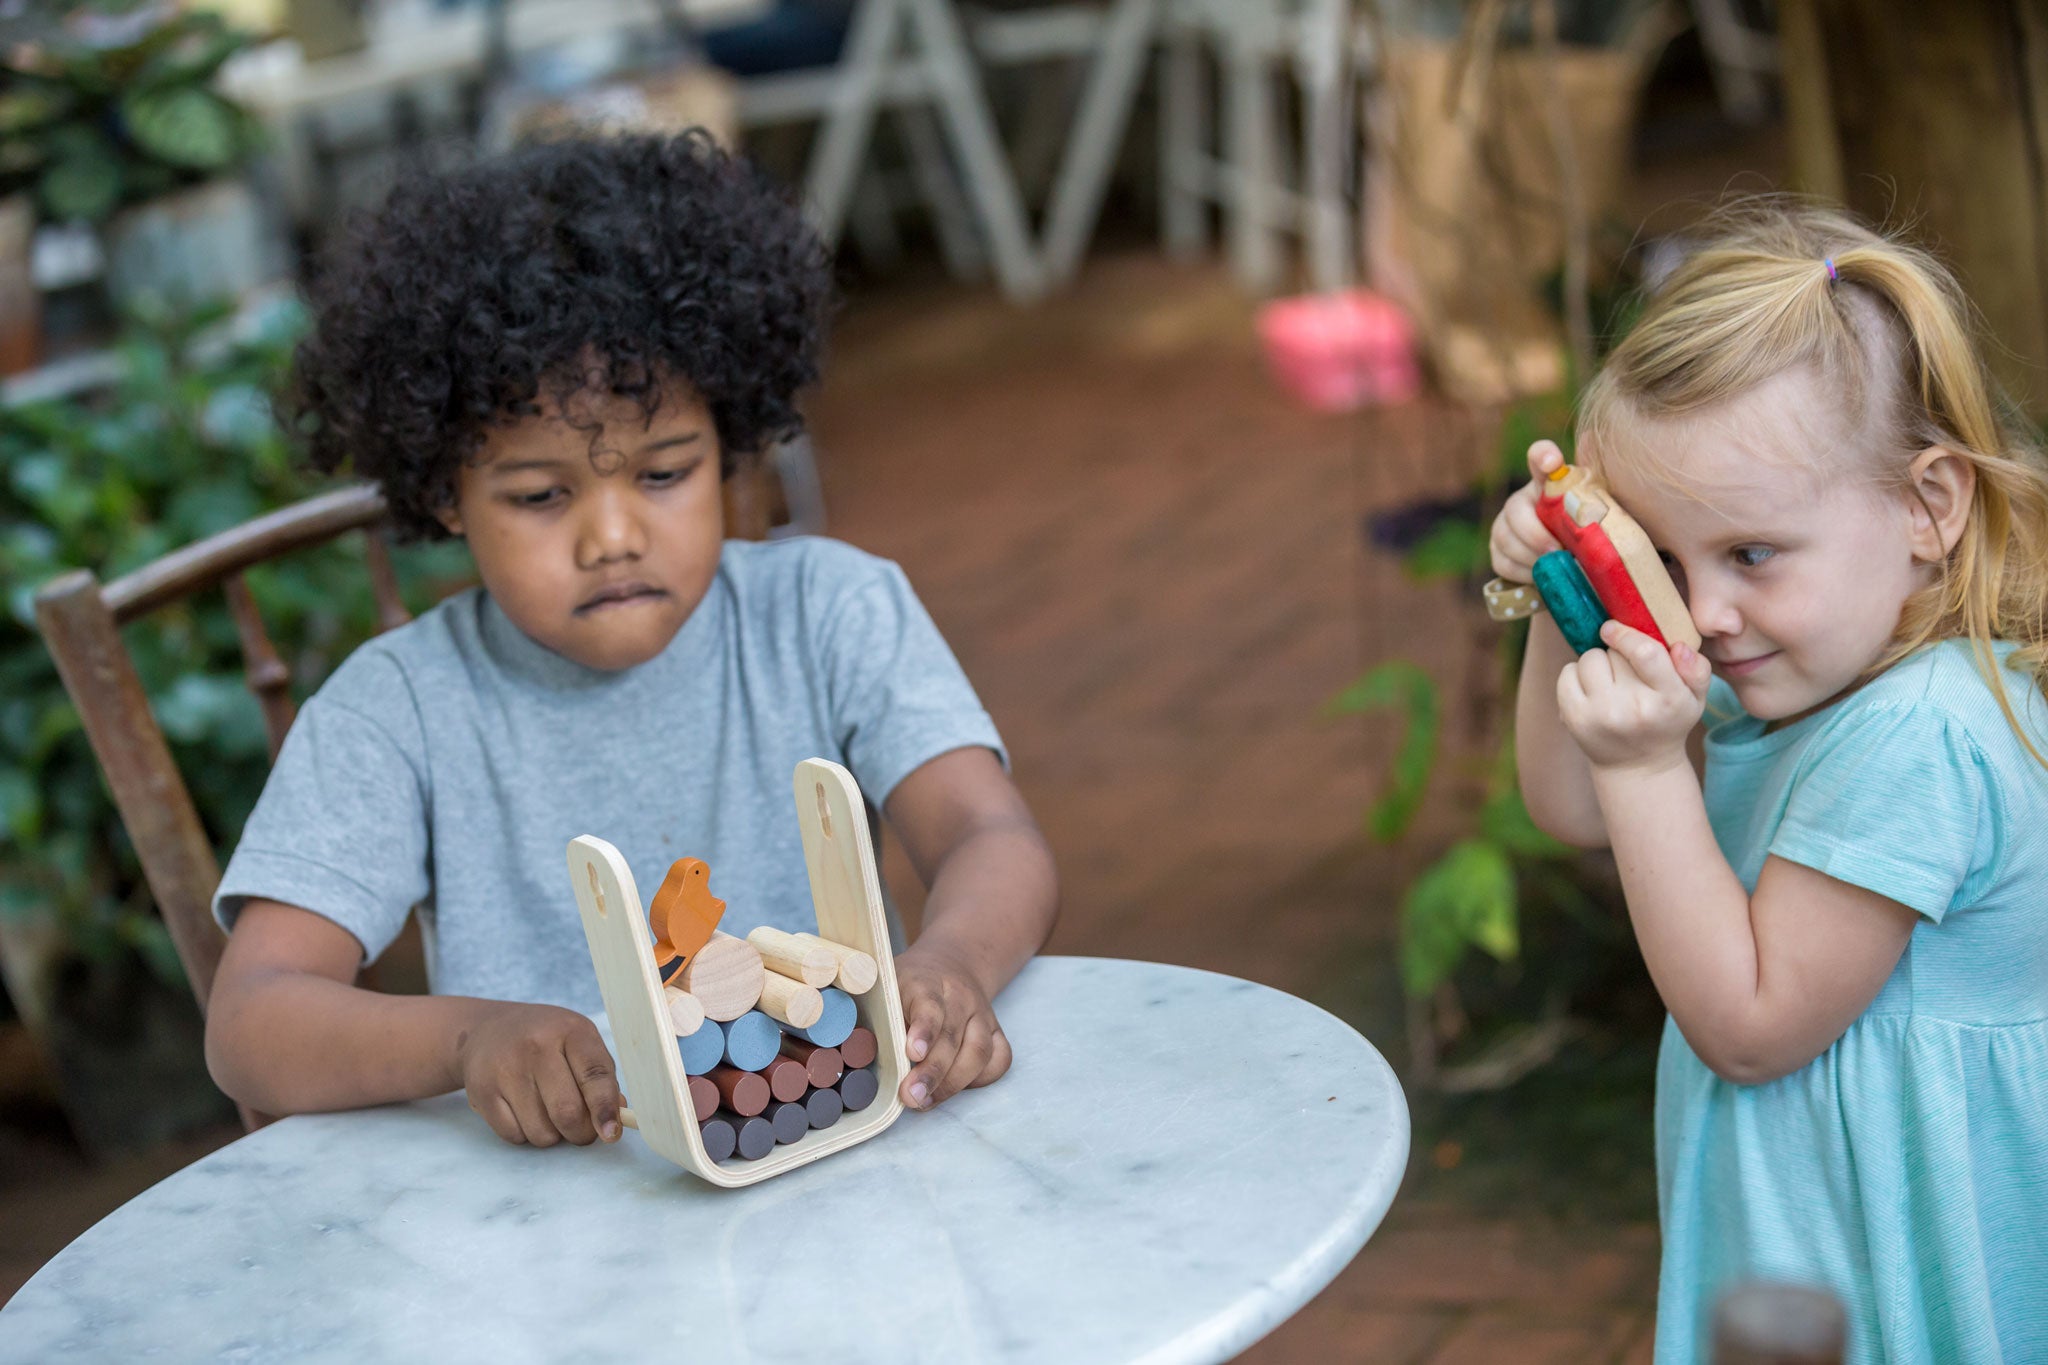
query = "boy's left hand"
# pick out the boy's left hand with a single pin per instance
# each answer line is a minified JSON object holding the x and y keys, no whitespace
{"x":1633,"y":703}
{"x":951,"y":1031}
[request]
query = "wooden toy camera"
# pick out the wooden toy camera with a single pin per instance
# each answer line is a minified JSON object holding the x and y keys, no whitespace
{"x":745,"y":1058}
{"x":1607,"y":568}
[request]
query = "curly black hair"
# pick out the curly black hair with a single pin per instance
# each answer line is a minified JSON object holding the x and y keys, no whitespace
{"x":625,"y":263}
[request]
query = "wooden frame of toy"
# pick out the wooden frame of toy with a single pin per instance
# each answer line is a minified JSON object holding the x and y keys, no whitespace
{"x":745,"y":1058}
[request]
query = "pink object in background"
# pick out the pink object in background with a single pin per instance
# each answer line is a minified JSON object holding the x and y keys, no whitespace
{"x":1340,"y":352}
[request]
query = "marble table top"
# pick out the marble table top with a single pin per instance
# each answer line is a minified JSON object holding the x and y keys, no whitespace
{"x":1176,"y":1162}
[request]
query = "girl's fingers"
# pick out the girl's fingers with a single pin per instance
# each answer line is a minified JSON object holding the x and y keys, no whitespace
{"x":533,"y":1107}
{"x":497,"y":1112}
{"x":942,"y":1041}
{"x":1544,"y":456}
{"x":999,"y":1058}
{"x":591,"y":1066}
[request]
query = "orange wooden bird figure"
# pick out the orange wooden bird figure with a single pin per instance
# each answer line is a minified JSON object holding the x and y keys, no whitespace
{"x":683,"y":915}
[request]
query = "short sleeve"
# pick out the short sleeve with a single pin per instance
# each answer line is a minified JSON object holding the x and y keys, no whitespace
{"x":898,"y":696}
{"x":341,"y":826}
{"x":1897,"y":800}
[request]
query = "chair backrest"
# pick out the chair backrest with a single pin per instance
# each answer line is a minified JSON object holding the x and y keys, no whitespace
{"x":81,"y":621}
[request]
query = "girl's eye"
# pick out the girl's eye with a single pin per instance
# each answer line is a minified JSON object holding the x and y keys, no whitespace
{"x":543,"y":498}
{"x":1752,"y":556}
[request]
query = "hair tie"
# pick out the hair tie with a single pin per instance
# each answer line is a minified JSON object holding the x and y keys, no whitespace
{"x":1833,"y":276}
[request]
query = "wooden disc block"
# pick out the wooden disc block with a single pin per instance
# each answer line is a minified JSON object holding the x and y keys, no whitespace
{"x":859,"y":1049}
{"x":751,"y":1041}
{"x":790,"y":1001}
{"x":756,"y":1138}
{"x":744,"y":1092}
{"x":725,"y":976}
{"x":703,"y":1097}
{"x":790,"y":1121}
{"x":857,"y":1089}
{"x":787,"y":1078}
{"x":685,"y":1011}
{"x":856,"y":972}
{"x":718,"y":1136}
{"x":824,"y":1107}
{"x":791,"y":955}
{"x":824,"y":1064}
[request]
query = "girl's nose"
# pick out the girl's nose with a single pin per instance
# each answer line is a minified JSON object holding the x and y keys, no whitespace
{"x":609,"y":531}
{"x":1714,"y":613}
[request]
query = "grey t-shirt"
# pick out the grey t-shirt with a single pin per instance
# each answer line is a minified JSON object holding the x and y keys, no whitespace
{"x":448,"y":763}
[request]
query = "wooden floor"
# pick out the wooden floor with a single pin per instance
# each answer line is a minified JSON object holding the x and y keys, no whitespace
{"x":1150,"y":564}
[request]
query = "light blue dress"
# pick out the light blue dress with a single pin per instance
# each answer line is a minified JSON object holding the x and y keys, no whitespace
{"x":1905,"y":1168}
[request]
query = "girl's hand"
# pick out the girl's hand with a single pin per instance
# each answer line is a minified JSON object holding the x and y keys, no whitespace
{"x":1632,"y":704}
{"x":1519,"y":537}
{"x":539,"y":1074}
{"x":953,"y":1038}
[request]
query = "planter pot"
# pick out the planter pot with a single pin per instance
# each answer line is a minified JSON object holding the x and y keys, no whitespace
{"x":213,"y":241}
{"x":20,"y":306}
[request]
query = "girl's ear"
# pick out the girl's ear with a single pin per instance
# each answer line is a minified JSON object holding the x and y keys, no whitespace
{"x":1941,"y":483}
{"x":450,"y":519}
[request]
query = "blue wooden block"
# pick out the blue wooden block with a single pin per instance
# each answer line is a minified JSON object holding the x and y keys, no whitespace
{"x":752,"y":1041}
{"x":835,"y":1025}
{"x":701,"y":1051}
{"x":1571,"y":599}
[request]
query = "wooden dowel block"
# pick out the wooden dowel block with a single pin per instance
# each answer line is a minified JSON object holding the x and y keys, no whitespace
{"x":790,"y":1121}
{"x":824,"y":1064}
{"x":788,"y":953}
{"x":719,"y":1136}
{"x":860,"y":1048}
{"x":857,"y":972}
{"x":703,"y":1097}
{"x":834,"y":1023}
{"x":756,"y":1137}
{"x":787,"y":1078}
{"x":857,"y":1089}
{"x":702,"y":1050}
{"x":744,"y":1092}
{"x":789,"y":1001}
{"x":824,"y":1107}
{"x":725,"y":976}
{"x":751,"y":1041}
{"x":685,"y":1011}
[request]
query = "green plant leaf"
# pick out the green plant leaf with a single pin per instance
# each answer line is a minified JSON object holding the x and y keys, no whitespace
{"x":1402,"y":685}
{"x":83,"y":187}
{"x":184,"y":126}
{"x":1466,"y":898}
{"x":1505,"y":820}
{"x":1455,"y":549}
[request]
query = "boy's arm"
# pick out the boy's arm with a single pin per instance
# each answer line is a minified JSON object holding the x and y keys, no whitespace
{"x":993,"y":897}
{"x":287,"y":1032}
{"x":1556,"y":779}
{"x":1759,"y":984}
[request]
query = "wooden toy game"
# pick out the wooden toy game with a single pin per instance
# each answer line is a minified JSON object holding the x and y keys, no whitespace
{"x":1608,"y":568}
{"x":686,"y":1090}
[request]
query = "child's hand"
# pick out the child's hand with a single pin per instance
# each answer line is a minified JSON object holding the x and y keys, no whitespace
{"x":1519,"y":536}
{"x":953,"y":1038}
{"x":1632,"y":704}
{"x":540,"y":1074}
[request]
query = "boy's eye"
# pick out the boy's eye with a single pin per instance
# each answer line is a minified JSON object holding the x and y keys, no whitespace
{"x":1752,"y":556}
{"x":542,"y":497}
{"x":664,"y":478}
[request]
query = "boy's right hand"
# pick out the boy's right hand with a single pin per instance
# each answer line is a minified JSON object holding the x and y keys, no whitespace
{"x":540,"y":1074}
{"x":1519,"y":536}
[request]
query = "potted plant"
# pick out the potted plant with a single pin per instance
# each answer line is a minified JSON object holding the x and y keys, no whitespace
{"x":183,"y":446}
{"x":111,"y":117}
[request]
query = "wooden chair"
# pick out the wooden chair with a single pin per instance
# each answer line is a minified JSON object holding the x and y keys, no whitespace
{"x":81,"y":621}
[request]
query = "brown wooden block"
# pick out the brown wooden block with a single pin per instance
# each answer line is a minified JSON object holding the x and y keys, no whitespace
{"x":859,"y":1049}
{"x":744,"y":1092}
{"x":824,"y":1064}
{"x":787,"y":1078}
{"x":703,"y":1097}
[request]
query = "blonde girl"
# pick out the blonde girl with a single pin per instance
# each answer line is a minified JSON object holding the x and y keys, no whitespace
{"x":1831,"y":820}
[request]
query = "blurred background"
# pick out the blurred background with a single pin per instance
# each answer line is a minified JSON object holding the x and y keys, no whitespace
{"x":1189,"y":346}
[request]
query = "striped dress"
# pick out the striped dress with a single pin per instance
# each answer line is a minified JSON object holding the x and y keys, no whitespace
{"x":1905,"y":1168}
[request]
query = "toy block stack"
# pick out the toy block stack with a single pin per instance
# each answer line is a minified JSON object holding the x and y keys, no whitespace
{"x":765,"y":1024}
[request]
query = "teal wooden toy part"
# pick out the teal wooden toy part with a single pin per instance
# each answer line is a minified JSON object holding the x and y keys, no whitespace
{"x":835,"y":1024}
{"x":1571,"y":599}
{"x":752,"y":1041}
{"x":702,"y":1050}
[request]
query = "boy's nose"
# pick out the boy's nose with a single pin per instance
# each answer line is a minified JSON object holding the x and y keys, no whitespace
{"x":610,"y":532}
{"x":1713,"y":612}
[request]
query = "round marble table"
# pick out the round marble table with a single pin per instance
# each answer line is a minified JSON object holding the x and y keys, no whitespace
{"x":1176,"y":1162}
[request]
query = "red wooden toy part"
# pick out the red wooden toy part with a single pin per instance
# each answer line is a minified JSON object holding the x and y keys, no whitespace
{"x":684,"y":912}
{"x":1617,"y":556}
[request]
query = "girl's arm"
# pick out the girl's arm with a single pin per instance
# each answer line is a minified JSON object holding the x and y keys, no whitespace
{"x":1759,"y":984}
{"x":993,"y":898}
{"x":288,"y":1032}
{"x":1556,"y":780}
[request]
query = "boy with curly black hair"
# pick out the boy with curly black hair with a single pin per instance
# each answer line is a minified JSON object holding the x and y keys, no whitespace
{"x":557,"y":356}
